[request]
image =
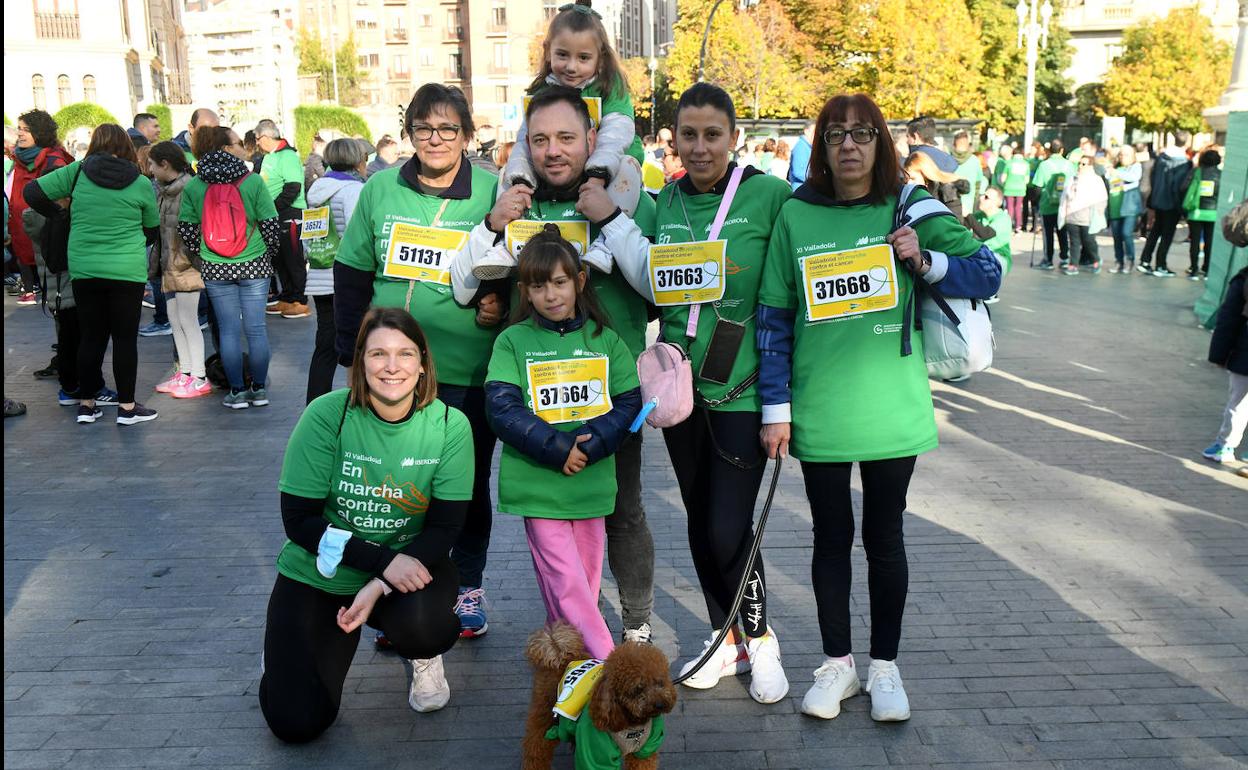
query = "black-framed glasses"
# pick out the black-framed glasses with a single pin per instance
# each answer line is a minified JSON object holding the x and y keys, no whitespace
{"x":859,"y":135}
{"x":422,"y":133}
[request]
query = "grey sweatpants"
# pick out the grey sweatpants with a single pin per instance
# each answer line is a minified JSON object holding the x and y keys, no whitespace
{"x":1235,"y":418}
{"x":630,"y":546}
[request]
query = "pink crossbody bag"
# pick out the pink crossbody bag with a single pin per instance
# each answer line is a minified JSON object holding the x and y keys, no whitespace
{"x":664,"y":369}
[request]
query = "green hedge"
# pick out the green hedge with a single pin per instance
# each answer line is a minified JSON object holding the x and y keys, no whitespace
{"x":81,"y":115}
{"x":165,"y":116}
{"x":310,"y":118}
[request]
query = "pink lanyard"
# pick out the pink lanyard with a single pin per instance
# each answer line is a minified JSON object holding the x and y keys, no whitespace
{"x":695,"y":311}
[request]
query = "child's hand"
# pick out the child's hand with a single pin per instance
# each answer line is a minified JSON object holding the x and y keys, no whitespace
{"x":510,"y":207}
{"x":598,"y":182}
{"x":577,"y":460}
{"x":489,"y":310}
{"x":594,"y":202}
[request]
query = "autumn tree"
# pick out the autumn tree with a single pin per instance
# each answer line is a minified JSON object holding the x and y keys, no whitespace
{"x":1169,"y":71}
{"x":757,"y":56}
{"x":314,"y":59}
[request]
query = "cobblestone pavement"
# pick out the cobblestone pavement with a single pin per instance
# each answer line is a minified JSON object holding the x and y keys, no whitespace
{"x":1077,"y":591}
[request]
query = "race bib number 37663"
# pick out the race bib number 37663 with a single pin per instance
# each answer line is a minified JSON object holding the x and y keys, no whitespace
{"x":424,"y":254}
{"x":687,"y":273}
{"x":851,"y":282}
{"x":569,"y":389}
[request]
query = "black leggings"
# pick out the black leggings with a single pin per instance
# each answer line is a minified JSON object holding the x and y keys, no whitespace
{"x":473,"y":545}
{"x":290,"y":265}
{"x":68,"y":341}
{"x":324,"y":360}
{"x":108,"y":309}
{"x":1200,"y":231}
{"x":306,"y":654}
{"x":719,"y":495}
{"x":884,"y":485}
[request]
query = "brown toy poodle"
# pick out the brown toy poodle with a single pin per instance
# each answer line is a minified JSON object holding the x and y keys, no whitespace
{"x":631,"y":691}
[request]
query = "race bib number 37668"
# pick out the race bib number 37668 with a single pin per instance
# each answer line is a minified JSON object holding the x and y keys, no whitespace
{"x":851,"y":282}
{"x":424,"y":254}
{"x":569,"y":389}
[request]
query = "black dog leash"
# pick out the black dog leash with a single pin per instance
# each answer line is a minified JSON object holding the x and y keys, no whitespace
{"x":745,"y":576}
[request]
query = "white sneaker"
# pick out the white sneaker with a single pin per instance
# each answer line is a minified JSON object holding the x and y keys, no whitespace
{"x":598,"y":257}
{"x":888,"y":698}
{"x":729,"y":660}
{"x":834,"y":682}
{"x":768,"y":683}
{"x":497,"y":262}
{"x":429,"y":690}
{"x":640,"y":634}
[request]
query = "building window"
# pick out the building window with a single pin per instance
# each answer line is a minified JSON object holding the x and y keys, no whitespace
{"x":88,"y":88}
{"x":135,"y":74}
{"x":426,"y":57}
{"x":550,"y":8}
{"x":500,"y":57}
{"x":499,"y":17}
{"x":425,"y":19}
{"x":37,"y":94}
{"x":500,"y":94}
{"x":455,"y":67}
{"x":399,"y":68}
{"x":369,"y":60}
{"x":62,"y":89}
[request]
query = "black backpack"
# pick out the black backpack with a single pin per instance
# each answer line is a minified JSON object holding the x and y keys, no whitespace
{"x":54,"y":242}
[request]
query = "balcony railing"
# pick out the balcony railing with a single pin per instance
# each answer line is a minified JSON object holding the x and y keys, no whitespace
{"x":60,"y":26}
{"x":396,"y":35}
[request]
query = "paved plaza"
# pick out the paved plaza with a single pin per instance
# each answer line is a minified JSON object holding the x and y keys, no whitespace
{"x":1077,"y":595}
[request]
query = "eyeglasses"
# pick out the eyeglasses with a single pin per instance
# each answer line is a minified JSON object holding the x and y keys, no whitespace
{"x":421,"y":133}
{"x":859,"y":135}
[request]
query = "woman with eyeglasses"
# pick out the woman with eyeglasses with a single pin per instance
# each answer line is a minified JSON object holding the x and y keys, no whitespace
{"x":842,"y":376}
{"x":408,"y":224}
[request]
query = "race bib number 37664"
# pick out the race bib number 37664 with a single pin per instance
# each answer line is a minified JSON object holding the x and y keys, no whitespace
{"x":851,"y":282}
{"x":424,"y":254}
{"x":569,"y":389}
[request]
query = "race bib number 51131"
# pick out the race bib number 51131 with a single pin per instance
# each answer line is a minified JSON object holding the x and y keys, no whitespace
{"x":851,"y":282}
{"x":424,"y":254}
{"x":569,"y":389}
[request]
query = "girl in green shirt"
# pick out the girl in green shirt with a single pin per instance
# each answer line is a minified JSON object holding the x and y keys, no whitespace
{"x":562,"y":390}
{"x":374,"y":487}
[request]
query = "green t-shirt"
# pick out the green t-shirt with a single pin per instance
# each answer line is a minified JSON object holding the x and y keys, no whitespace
{"x":999,"y":243}
{"x":747,"y":228}
{"x":626,"y":309}
{"x":1012,"y":175}
{"x":526,"y":487}
{"x":971,"y":170}
{"x":376,"y":477}
{"x":1051,"y":176}
{"x":106,"y":239}
{"x":460,"y":347}
{"x":256,"y":203}
{"x":596,"y":749}
{"x":855,"y":397}
{"x":279,"y":169}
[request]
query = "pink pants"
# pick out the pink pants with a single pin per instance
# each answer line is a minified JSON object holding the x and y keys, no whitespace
{"x":567,"y":555}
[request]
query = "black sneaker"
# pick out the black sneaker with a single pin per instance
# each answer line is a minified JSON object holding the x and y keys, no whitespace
{"x":51,"y":372}
{"x":1043,"y":266}
{"x":136,"y":415}
{"x":1162,"y":272}
{"x":88,"y":414}
{"x":1144,"y":268}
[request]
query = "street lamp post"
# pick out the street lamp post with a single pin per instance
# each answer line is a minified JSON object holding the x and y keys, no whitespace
{"x":1037,"y":36}
{"x":654,"y":98}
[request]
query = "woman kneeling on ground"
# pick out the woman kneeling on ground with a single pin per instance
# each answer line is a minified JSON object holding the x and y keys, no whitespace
{"x":838,"y":376}
{"x":375,"y":485}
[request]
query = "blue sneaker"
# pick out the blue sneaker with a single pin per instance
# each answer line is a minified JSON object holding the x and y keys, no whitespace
{"x":106,"y":397}
{"x":64,"y":399}
{"x":471,"y":613}
{"x":1219,"y":453}
{"x":155,"y":330}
